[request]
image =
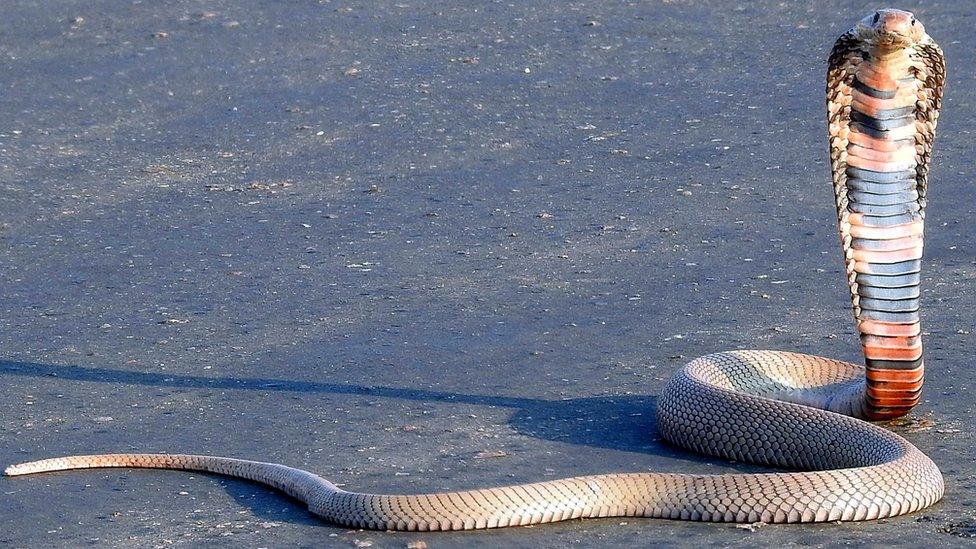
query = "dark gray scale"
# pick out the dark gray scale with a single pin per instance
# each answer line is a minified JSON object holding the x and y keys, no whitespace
{"x":884,"y":211}
{"x":874,"y":245}
{"x":890,"y":220}
{"x":886,"y":199}
{"x":909,"y":317}
{"x":880,"y":177}
{"x":883,"y":125}
{"x":889,"y":114}
{"x":867,"y":130}
{"x":895,"y":365}
{"x":892,"y":281}
{"x":889,"y":306}
{"x":860,"y":185}
{"x":868,"y":90}
{"x":900,"y":268}
{"x":907,"y":292}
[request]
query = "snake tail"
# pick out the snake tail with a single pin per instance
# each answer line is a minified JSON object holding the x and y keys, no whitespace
{"x":296,"y":483}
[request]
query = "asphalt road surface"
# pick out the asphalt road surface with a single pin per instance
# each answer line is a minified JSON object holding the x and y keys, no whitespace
{"x":418,"y":246}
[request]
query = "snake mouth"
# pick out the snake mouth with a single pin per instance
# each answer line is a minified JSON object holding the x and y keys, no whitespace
{"x":892,"y":40}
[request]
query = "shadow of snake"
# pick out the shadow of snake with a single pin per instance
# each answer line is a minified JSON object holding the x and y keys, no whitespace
{"x":575,"y":421}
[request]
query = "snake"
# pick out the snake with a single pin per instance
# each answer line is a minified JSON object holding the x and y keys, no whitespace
{"x":805,"y":414}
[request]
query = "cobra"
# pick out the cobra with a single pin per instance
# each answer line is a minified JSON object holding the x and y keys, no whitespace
{"x":884,"y":87}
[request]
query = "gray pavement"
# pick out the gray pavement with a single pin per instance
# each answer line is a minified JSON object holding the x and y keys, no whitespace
{"x":418,"y":245}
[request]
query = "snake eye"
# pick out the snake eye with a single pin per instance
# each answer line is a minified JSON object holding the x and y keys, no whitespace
{"x":877,"y":17}
{"x":914,"y":20}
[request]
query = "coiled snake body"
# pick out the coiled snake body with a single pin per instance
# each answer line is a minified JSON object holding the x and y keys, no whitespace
{"x":884,"y":87}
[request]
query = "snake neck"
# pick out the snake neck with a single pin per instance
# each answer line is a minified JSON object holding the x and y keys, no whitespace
{"x":884,"y":229}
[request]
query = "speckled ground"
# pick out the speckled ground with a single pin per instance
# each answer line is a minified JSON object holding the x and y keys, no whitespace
{"x":425,"y":245}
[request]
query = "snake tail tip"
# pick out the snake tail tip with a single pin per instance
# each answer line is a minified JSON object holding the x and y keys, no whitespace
{"x":16,"y":470}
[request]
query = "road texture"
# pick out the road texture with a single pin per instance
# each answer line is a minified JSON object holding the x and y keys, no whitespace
{"x":419,"y":246}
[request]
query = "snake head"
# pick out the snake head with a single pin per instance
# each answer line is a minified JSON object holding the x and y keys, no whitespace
{"x":891,"y":29}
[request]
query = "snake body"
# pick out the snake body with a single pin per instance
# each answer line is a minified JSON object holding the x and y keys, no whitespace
{"x":768,"y":407}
